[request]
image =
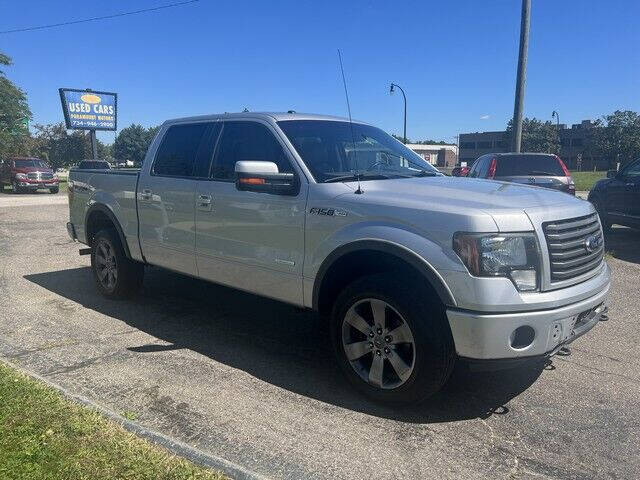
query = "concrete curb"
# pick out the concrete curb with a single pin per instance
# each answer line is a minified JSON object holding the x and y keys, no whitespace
{"x":233,"y":470}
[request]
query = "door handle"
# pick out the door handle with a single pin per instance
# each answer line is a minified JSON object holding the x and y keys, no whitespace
{"x":146,"y":194}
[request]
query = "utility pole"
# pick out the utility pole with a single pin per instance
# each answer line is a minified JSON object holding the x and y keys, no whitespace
{"x":522,"y":76}
{"x":94,"y":145}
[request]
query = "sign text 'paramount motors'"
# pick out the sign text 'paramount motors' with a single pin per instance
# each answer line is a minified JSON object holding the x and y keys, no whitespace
{"x":88,"y":110}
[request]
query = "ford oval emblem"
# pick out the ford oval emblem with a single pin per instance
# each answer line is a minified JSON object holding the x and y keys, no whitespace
{"x":593,"y":242}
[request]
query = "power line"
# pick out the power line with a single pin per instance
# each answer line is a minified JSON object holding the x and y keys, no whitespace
{"x":123,"y":14}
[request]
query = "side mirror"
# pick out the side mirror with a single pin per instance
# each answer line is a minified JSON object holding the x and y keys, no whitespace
{"x":264,"y":177}
{"x":612,"y":173}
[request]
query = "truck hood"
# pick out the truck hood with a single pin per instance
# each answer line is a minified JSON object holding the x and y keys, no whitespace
{"x":466,"y":204}
{"x":461,"y":192}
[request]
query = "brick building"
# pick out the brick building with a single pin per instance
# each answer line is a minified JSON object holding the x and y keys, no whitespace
{"x":437,"y":155}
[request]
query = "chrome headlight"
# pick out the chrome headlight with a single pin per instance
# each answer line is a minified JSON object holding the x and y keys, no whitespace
{"x":511,"y":255}
{"x":21,"y":176}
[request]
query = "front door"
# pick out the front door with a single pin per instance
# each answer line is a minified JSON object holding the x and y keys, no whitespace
{"x":621,"y":198}
{"x":632,"y":192}
{"x":250,"y":240}
{"x":166,"y":197}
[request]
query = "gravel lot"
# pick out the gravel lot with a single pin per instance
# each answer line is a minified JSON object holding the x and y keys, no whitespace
{"x":252,"y":380}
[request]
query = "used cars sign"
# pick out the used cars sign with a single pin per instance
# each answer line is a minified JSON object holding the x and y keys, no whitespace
{"x":88,"y":110}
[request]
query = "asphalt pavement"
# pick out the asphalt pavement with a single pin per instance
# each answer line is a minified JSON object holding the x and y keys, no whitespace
{"x":253,"y":381}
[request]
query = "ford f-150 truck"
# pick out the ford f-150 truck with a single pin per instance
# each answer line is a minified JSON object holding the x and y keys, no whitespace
{"x":412,"y":269}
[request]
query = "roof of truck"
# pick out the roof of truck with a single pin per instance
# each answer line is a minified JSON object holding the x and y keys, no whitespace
{"x":277,"y":116}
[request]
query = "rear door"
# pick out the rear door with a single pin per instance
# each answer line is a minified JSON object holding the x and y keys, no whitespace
{"x":166,"y":196}
{"x":539,"y":170}
{"x":251,"y":240}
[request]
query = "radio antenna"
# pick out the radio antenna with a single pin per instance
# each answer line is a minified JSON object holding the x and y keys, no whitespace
{"x":353,"y":137}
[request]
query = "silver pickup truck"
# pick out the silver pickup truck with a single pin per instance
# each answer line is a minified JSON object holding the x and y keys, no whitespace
{"x":412,"y":269}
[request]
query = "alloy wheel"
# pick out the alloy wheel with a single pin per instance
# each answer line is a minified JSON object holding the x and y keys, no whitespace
{"x":378,"y":343}
{"x":106,"y":267}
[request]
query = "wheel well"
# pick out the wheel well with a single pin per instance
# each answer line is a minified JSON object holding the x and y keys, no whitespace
{"x":100,"y":218}
{"x":96,"y":221}
{"x":356,"y":264}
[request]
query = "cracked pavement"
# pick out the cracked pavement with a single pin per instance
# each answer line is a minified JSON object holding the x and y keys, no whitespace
{"x":252,"y":380}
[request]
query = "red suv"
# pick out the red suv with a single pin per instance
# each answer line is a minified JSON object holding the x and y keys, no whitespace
{"x":28,"y":174}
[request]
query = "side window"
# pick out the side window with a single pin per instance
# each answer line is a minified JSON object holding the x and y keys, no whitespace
{"x":633,"y":170}
{"x":178,"y":153}
{"x":247,"y":141}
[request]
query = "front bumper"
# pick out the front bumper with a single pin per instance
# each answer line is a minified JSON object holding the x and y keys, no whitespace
{"x":37,"y":185}
{"x":482,"y":336}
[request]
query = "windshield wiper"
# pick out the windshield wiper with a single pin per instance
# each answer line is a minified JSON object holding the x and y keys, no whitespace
{"x":542,"y":172}
{"x":425,"y":173}
{"x":356,"y":176}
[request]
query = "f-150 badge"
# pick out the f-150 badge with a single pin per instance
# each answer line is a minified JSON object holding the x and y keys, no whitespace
{"x":329,"y":212}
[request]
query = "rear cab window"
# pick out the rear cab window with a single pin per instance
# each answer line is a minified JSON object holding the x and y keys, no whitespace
{"x":529,"y":165}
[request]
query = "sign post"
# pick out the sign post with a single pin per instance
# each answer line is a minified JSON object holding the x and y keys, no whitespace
{"x":89,"y":110}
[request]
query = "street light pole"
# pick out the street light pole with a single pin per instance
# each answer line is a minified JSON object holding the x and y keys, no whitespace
{"x":404,"y":136}
{"x":522,"y":74}
{"x":555,"y":114}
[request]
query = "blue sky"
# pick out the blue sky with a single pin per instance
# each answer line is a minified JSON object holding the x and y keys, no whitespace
{"x":455,"y":60}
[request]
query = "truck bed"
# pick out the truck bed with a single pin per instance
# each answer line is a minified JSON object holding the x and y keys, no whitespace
{"x":115,"y":188}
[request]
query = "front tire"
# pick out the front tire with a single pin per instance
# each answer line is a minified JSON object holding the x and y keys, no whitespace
{"x":392,"y":340}
{"x":15,"y":188}
{"x":54,"y":190}
{"x":115,"y":274}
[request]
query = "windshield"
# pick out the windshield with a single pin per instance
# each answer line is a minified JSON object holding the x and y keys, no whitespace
{"x":31,"y":162}
{"x":538,"y":165}
{"x":329,"y":151}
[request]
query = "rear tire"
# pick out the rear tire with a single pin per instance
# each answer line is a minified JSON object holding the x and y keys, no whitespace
{"x":412,"y":347}
{"x":54,"y":190}
{"x":116,"y":275}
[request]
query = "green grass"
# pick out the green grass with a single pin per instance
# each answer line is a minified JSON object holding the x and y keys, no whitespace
{"x":44,"y":436}
{"x":585,"y":180}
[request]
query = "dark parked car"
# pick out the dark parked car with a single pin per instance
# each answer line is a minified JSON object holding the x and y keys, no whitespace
{"x":538,"y":169}
{"x":28,"y":174}
{"x":460,"y":171}
{"x":617,"y":198}
{"x":94,"y":164}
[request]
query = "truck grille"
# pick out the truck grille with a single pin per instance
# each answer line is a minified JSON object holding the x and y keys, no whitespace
{"x":39,"y":176}
{"x":569,"y":253}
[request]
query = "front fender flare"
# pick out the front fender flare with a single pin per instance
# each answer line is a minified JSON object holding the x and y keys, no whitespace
{"x":395,"y":249}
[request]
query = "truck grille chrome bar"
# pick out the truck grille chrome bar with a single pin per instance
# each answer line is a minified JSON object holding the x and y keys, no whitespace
{"x":576,"y":246}
{"x":39,"y":176}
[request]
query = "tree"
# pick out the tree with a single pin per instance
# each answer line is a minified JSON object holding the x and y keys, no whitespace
{"x":60,"y":148}
{"x":14,"y":115}
{"x":537,"y":136}
{"x":618,"y":138}
{"x":132,"y":143}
